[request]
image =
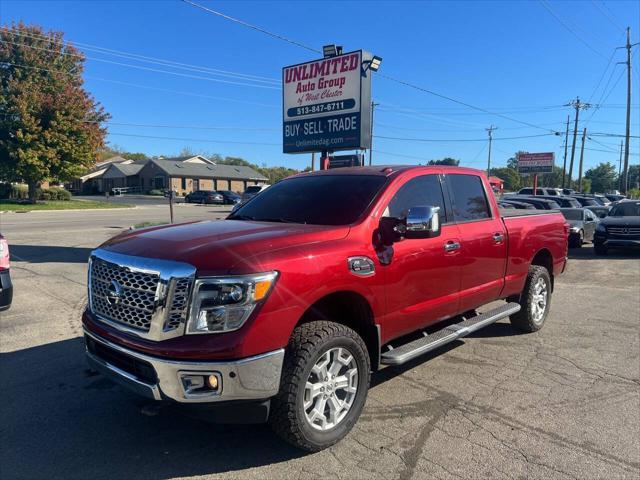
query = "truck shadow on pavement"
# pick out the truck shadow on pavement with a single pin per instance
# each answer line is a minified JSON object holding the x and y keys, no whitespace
{"x":61,"y":421}
{"x":587,"y":253}
{"x":49,"y":253}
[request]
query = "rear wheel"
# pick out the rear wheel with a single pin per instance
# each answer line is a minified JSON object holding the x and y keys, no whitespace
{"x":535,"y":301}
{"x":576,"y":241}
{"x":325,"y":379}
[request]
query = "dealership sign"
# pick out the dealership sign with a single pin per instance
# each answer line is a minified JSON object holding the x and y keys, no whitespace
{"x":535,"y":162}
{"x":327,"y":104}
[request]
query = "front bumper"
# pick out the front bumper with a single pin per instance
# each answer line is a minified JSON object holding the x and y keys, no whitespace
{"x":601,"y":240}
{"x":252,"y":378}
{"x":6,"y":290}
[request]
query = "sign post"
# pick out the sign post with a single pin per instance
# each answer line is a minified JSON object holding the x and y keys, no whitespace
{"x":327,"y":105}
{"x":536,"y":163}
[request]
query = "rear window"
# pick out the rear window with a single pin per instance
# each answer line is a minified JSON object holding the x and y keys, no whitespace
{"x":253,"y":189}
{"x":468,"y":198}
{"x":572,"y":214}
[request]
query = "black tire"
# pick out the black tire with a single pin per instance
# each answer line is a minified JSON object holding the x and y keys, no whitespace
{"x":576,"y":241}
{"x":525,"y":320}
{"x":599,"y":249}
{"x":307,"y":343}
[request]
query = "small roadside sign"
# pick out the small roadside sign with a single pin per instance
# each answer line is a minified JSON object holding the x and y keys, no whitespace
{"x":536,"y":162}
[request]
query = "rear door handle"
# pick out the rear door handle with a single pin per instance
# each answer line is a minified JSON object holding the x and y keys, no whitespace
{"x":451,"y":246}
{"x":498,"y":237}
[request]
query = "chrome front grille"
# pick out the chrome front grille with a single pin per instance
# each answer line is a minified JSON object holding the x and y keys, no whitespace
{"x":624,"y":231}
{"x":144,"y":296}
{"x":137,"y":293}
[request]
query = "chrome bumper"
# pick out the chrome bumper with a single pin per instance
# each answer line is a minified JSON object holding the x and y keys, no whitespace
{"x":252,"y":378}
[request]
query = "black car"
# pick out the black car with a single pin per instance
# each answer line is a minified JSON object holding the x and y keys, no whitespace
{"x":538,"y":203}
{"x":6,"y":288}
{"x":563,"y":200}
{"x":229,"y":197}
{"x":621,"y":228}
{"x":515,"y":204}
{"x":204,"y":196}
{"x":586,"y":201}
{"x":582,"y":225}
{"x":615,"y":197}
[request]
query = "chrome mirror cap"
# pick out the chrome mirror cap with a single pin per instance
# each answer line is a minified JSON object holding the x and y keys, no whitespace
{"x":421,"y":222}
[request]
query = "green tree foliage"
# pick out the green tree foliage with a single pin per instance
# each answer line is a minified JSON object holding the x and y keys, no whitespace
{"x":50,"y":127}
{"x":634,"y":176}
{"x":445,"y":161}
{"x":603,"y":177}
{"x":510,"y":177}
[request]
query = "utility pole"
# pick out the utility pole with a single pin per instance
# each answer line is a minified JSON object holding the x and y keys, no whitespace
{"x":313,"y":161}
{"x":620,"y":166}
{"x":373,"y":107}
{"x":625,"y":174}
{"x":566,"y":145}
{"x":578,"y":105}
{"x":490,"y":132}
{"x":584,"y":135}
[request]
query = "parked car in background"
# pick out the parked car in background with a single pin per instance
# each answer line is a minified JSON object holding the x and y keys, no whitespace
{"x":252,"y":191}
{"x":229,"y":197}
{"x":582,"y":225}
{"x":204,"y":197}
{"x":599,"y":199}
{"x":599,"y":210}
{"x":615,"y":197}
{"x":516,"y":204}
{"x":621,"y":228}
{"x":568,"y":191}
{"x":586,"y":201}
{"x":563,"y":200}
{"x":540,"y":191}
{"x":6,"y":288}
{"x":538,"y":203}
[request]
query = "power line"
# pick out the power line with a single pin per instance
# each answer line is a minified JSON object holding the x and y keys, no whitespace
{"x":606,"y":14}
{"x":151,"y":69}
{"x":545,"y":4}
{"x":148,"y":59}
{"x":192,"y":139}
{"x":254,"y":27}
{"x":407,"y":139}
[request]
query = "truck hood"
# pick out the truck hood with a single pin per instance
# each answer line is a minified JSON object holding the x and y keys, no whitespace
{"x":220,"y":246}
{"x":621,"y":221}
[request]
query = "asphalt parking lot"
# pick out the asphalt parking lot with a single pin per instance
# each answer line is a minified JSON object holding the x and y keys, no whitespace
{"x":560,"y":403}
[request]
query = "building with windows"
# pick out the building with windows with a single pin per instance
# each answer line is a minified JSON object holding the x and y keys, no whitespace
{"x":181,"y":174}
{"x":188,"y":174}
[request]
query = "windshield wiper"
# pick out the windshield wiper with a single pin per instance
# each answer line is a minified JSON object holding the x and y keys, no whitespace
{"x":279,"y":220}
{"x":241,"y":217}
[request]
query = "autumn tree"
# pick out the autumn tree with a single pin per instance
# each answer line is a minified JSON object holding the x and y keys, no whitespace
{"x":50,"y":127}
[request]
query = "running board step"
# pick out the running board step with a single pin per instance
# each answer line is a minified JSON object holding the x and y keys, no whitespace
{"x":411,"y":350}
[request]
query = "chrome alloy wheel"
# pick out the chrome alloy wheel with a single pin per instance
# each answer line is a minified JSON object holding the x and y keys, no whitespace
{"x":539,"y":300}
{"x":330,"y":389}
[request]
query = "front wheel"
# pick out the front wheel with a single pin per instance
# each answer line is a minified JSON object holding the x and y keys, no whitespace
{"x":535,"y":301}
{"x":324,"y":384}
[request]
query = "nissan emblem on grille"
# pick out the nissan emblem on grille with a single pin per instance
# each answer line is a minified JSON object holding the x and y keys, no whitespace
{"x":115,"y":292}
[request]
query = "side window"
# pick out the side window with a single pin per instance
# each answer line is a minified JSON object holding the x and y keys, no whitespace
{"x":423,"y":191}
{"x":468,"y":198}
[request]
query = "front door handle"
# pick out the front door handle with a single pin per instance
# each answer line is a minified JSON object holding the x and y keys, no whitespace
{"x":498,"y":237}
{"x":451,"y":246}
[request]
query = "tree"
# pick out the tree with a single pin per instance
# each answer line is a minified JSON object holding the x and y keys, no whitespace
{"x":603,"y":177}
{"x":511,"y":178}
{"x":50,"y":127}
{"x":634,"y":176}
{"x":445,"y":161}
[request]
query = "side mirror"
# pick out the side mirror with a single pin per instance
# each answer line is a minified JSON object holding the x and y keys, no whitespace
{"x":421,"y":222}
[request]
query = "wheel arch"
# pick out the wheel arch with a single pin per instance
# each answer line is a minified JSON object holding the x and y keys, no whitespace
{"x":543,"y":258}
{"x":352,"y":310}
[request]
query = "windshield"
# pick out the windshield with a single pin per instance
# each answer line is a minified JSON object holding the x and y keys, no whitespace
{"x":572,"y":214}
{"x":318,"y":200}
{"x":626,"y":209}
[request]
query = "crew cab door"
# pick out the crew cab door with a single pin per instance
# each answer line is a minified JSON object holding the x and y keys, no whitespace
{"x":483,"y":239}
{"x":423,"y":277}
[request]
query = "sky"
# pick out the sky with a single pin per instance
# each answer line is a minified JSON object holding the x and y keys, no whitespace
{"x":524,"y":60}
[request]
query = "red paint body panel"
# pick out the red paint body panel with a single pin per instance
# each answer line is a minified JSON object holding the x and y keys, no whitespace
{"x":420,"y":286}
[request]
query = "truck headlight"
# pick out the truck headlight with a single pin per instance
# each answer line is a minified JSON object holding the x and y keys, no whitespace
{"x":223,"y":304}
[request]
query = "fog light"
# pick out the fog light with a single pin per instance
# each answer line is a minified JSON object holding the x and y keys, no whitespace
{"x":200,"y":383}
{"x":213,"y":382}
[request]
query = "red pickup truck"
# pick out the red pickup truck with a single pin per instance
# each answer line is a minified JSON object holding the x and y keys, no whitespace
{"x":281,"y":312}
